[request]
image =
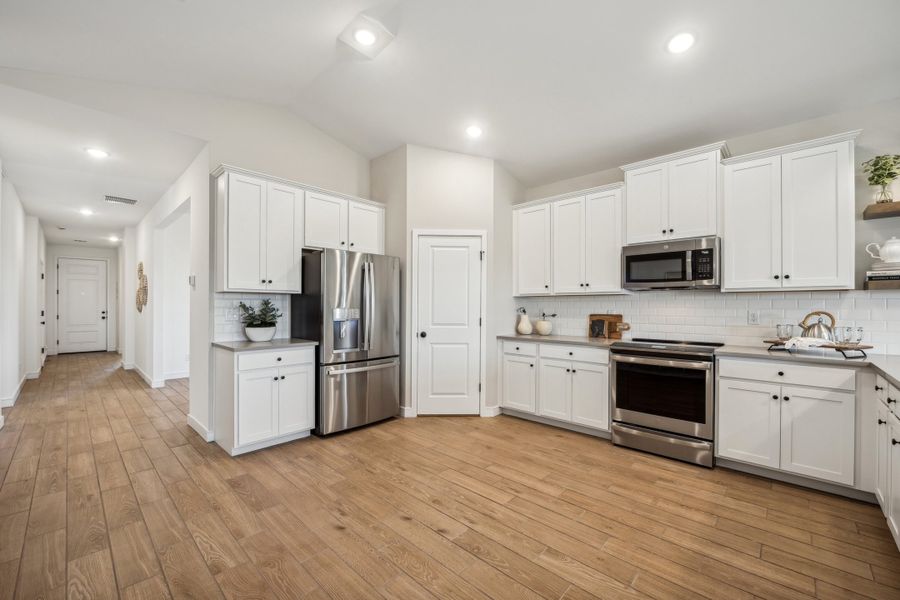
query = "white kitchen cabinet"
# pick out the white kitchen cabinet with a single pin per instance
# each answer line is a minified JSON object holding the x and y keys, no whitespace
{"x":334,"y":222}
{"x":555,"y":384}
{"x":603,"y":241}
{"x":818,"y":433}
{"x":893,"y":500}
{"x":590,"y":395}
{"x":568,"y":233}
{"x":531,"y":250}
{"x":259,"y":234}
{"x":674,"y":196}
{"x":789,"y":217}
{"x":365,"y":227}
{"x":263,"y":398}
{"x":882,"y":456}
{"x":519,"y":382}
{"x":749,"y":425}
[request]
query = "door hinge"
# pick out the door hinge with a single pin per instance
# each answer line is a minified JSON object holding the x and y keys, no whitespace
{"x":479,"y":321}
{"x":57,"y":292}
{"x":42,"y":275}
{"x":481,"y":255}
{"x":42,"y":313}
{"x":479,"y":387}
{"x":42,"y":350}
{"x":57,"y":342}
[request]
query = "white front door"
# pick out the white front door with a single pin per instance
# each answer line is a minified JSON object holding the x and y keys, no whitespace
{"x":448,"y":342}
{"x":82,"y":305}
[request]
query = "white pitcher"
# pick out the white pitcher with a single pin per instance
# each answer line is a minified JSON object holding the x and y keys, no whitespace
{"x":887,"y":252}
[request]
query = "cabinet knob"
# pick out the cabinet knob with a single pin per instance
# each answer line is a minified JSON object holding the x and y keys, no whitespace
{"x":275,"y":378}
{"x":671,"y":231}
{"x":580,"y":285}
{"x":587,"y":285}
{"x":423,"y":334}
{"x":546,"y":287}
{"x":568,"y":370}
{"x":270,"y":281}
{"x":787,"y":276}
{"x":517,"y":347}
{"x":278,"y":359}
{"x":787,"y":398}
{"x":663,"y":230}
{"x":342,"y":243}
{"x":531,"y":365}
{"x":781,"y":373}
{"x":774,"y":396}
{"x":891,"y":401}
{"x":573,"y":370}
{"x":262,"y":280}
{"x":282,"y":376}
{"x":894,"y":442}
{"x":352,"y":244}
{"x":570,"y":354}
{"x":878,"y":388}
{"x":778,"y":277}
{"x":881,"y":421}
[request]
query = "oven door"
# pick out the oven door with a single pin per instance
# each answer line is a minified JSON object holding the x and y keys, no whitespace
{"x":656,"y":270}
{"x":669,"y":394}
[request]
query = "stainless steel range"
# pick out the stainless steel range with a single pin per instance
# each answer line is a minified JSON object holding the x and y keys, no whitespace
{"x":663,"y":396}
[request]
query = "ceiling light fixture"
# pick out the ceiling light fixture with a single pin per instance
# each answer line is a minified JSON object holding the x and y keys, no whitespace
{"x":97,"y":152}
{"x":113,"y":238}
{"x":86,"y":212}
{"x":680,"y":43}
{"x":364,"y":36}
{"x":473,"y":131}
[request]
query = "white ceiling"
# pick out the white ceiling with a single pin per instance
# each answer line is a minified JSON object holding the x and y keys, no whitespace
{"x":42,"y":142}
{"x":560,"y":88}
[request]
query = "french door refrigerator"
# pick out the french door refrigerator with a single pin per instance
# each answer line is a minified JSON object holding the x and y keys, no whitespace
{"x":351,"y":305}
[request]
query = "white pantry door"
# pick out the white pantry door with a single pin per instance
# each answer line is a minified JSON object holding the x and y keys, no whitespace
{"x":448,"y":285}
{"x":81,"y":305}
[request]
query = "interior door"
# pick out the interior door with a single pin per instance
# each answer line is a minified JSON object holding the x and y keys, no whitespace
{"x":82,"y":306}
{"x":590,"y":395}
{"x":448,"y":288}
{"x":603,"y":242}
{"x":531,"y":250}
{"x":693,"y":196}
{"x":246,"y":226}
{"x":646,"y":202}
{"x":326,"y":222}
{"x":519,"y":382}
{"x":817,"y":217}
{"x":751,"y":241}
{"x":749,"y":418}
{"x":555,"y":381}
{"x":568,"y":246}
{"x":365,"y":227}
{"x":284,"y":205}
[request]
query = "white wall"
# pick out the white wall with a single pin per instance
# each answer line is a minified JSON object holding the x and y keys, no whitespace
{"x":12,"y":293}
{"x":176,"y":296}
{"x":111,"y":256}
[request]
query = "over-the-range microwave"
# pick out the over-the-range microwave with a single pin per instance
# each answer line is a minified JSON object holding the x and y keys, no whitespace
{"x":679,"y":264}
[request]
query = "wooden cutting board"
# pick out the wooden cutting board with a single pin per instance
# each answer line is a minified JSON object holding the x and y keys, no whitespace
{"x":606,"y":326}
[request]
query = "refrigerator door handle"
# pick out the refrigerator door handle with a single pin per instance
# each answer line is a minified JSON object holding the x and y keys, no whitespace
{"x":339,"y":372}
{"x":370,"y":309}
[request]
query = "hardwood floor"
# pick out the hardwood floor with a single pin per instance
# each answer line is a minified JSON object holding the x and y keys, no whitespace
{"x":107,"y":493}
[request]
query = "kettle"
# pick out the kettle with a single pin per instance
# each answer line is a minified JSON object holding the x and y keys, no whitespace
{"x":818,"y":329}
{"x":887,"y":252}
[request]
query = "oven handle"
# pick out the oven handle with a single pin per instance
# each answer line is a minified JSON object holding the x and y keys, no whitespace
{"x":663,"y":362}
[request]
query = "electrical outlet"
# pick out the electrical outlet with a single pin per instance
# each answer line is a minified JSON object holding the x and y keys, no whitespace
{"x":231,"y":314}
{"x":752,"y":317}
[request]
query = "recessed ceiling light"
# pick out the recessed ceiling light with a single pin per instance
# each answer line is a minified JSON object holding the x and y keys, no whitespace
{"x":364,"y":36}
{"x":473,"y":131}
{"x":680,"y":43}
{"x":97,"y":152}
{"x":113,"y":238}
{"x":86,"y":212}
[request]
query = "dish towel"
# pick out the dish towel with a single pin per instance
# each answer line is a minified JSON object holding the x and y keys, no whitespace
{"x":804,"y":343}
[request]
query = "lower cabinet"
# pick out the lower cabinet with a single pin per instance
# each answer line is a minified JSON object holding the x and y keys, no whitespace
{"x":893,"y":483}
{"x":803,"y":430}
{"x":883,"y":448}
{"x":536,"y":380}
{"x":263,"y":398}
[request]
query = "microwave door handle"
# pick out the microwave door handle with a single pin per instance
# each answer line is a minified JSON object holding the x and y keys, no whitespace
{"x":688,"y":264}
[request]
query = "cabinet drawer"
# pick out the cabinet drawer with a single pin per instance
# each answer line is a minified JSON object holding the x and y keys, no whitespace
{"x":264,"y":360}
{"x":579,"y":353}
{"x":776,"y":372}
{"x":523,"y":349}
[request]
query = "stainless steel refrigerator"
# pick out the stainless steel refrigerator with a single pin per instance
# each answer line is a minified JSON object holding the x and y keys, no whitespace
{"x":351,"y":305}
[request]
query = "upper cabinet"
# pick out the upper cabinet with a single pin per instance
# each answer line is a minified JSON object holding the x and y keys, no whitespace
{"x":570,"y":245}
{"x":334,"y":222}
{"x":674,"y":196}
{"x":789,"y":217}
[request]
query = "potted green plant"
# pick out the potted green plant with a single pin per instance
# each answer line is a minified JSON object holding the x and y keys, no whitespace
{"x":259,"y":324}
{"x":883,"y":170}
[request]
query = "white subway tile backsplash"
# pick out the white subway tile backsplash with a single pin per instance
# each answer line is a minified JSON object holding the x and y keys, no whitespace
{"x":722,"y":317}
{"x":226,"y":316}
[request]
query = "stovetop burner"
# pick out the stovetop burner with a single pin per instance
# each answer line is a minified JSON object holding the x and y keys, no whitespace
{"x":649,"y":345}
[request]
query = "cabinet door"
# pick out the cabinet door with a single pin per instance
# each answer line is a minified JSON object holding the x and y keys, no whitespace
{"x":751,"y":240}
{"x":693,"y":196}
{"x":519,"y":382}
{"x":284,"y":206}
{"x":246,"y":225}
{"x":817,"y":199}
{"x":531,"y":250}
{"x":555,"y":382}
{"x":893,"y":483}
{"x":326,"y":221}
{"x":590,"y":395}
{"x":568,"y":246}
{"x":818,"y":433}
{"x":603,"y":242}
{"x":749,"y":422}
{"x":256,"y":406}
{"x":882,"y":456}
{"x":646,"y":202}
{"x":366,"y":228}
{"x":296,"y":393}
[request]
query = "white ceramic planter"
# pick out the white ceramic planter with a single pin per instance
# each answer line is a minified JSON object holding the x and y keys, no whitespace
{"x":259,"y":334}
{"x":523,"y":325}
{"x":543,"y":327}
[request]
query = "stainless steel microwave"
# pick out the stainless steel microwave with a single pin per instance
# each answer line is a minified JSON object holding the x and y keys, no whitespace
{"x":679,"y":264}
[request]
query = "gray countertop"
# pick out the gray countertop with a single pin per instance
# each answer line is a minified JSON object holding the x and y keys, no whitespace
{"x":560,"y":339}
{"x":276,"y":344}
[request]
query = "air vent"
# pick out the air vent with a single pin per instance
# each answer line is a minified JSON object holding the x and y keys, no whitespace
{"x":80,"y":241}
{"x":119,"y":200}
{"x":60,"y":227}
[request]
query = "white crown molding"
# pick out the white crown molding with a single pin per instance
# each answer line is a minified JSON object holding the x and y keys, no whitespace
{"x":225,"y":168}
{"x":722,"y":147}
{"x":594,"y":190}
{"x":831,"y":139}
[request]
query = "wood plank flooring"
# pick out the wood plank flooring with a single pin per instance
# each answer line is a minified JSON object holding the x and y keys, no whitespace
{"x":107,"y":493}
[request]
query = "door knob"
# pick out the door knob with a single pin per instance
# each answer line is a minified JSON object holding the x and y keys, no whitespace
{"x":881,"y":421}
{"x":423,"y":334}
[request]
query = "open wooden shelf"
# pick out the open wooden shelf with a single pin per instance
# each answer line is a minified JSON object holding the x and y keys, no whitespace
{"x":883,"y":285}
{"x":882,"y":210}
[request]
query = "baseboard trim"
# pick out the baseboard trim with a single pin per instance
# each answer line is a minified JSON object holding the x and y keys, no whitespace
{"x":197,"y":426}
{"x":599,"y":433}
{"x":798,"y":480}
{"x":2,"y":420}
{"x":32,"y":375}
{"x":407,"y":412}
{"x":128,"y":366}
{"x":490,"y":411}
{"x":148,"y":380}
{"x":177,"y":375}
{"x":10,"y":401}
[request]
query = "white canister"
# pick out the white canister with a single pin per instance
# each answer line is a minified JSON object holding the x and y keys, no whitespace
{"x":543,"y":327}
{"x":523,"y":325}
